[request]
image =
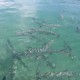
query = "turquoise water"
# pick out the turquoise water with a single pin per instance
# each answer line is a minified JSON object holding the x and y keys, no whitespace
{"x":40,"y":39}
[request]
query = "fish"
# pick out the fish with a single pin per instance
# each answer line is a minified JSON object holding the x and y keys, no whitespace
{"x":38,"y":74}
{"x":10,"y":44}
{"x":4,"y":78}
{"x":46,"y":45}
{"x":77,"y":30}
{"x":67,"y":46}
{"x":49,"y":64}
{"x":20,"y":60}
{"x":40,"y":23}
{"x":67,"y":74}
{"x":43,"y":32}
{"x":52,"y":66}
{"x":52,"y":25}
{"x":43,"y":23}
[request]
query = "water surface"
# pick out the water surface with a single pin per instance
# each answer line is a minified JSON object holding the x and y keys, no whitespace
{"x":59,"y":16}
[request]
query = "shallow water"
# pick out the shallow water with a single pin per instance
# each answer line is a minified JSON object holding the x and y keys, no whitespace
{"x":35,"y":34}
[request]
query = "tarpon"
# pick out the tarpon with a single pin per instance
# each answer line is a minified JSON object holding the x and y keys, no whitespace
{"x":40,"y":23}
{"x":4,"y":78}
{"x":10,"y":44}
{"x":77,"y":29}
{"x":44,"y":32}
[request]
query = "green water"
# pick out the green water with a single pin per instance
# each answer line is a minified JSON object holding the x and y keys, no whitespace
{"x":16,"y":17}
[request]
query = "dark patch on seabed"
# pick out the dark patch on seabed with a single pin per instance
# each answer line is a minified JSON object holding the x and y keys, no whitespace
{"x":39,"y":40}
